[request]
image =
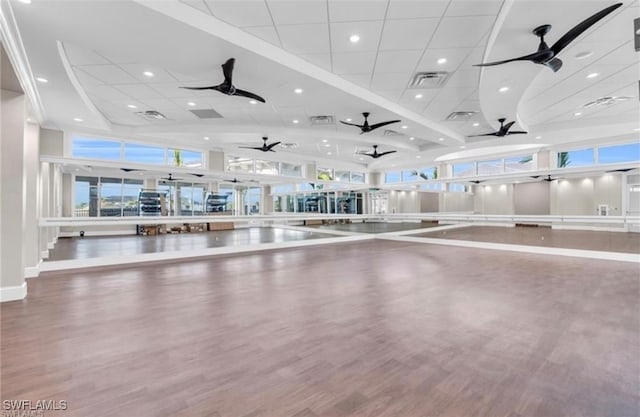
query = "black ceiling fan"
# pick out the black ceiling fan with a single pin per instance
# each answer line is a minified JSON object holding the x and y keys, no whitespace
{"x":197,"y":175}
{"x":504,"y":130}
{"x":264,"y":147}
{"x":131,"y":169}
{"x":547,"y":179}
{"x":366,"y":127}
{"x":477,"y":181}
{"x":375,"y":154}
{"x":236,"y":180}
{"x":546,"y":55}
{"x":227,"y":86}
{"x":621,"y":170}
{"x":170,"y":178}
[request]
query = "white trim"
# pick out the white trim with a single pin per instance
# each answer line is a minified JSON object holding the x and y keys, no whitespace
{"x":579,"y":253}
{"x":623,"y":229}
{"x":50,"y":245}
{"x":426,"y":229}
{"x":13,"y":293}
{"x":179,"y":255}
{"x":99,"y":233}
{"x":316,"y":230}
{"x":32,"y":271}
{"x":44,"y":254}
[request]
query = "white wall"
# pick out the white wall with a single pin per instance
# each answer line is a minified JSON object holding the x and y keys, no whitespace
{"x":493,"y":199}
{"x":32,"y":199}
{"x":404,"y":202}
{"x":532,"y":198}
{"x":581,"y":196}
{"x":429,"y":202}
{"x":456,"y":202}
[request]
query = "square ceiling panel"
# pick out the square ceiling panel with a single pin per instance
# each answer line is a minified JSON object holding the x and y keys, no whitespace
{"x":356,"y":10}
{"x":369,"y":33}
{"x":461,"y":32}
{"x":474,"y":8}
{"x":289,"y":12}
{"x":82,"y":56}
{"x":407,"y":34}
{"x":266,"y":33}
{"x":321,"y":60}
{"x":138,"y":70}
{"x":198,"y":5}
{"x":410,"y":9}
{"x":454,"y":57}
{"x":354,"y":62}
{"x":241,"y":13}
{"x":390,"y":81}
{"x":305,"y":39}
{"x":138,"y":91}
{"x":106,"y":92}
{"x":397,"y":61}
{"x":109,"y":74}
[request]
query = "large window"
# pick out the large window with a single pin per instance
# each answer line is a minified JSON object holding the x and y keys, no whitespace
{"x":343,"y":176}
{"x":95,"y":149}
{"x":106,"y":197}
{"x":290,"y":170}
{"x":144,"y":154}
{"x":238,"y":164}
{"x":183,"y":158}
{"x":392,"y":177}
{"x":464,"y":170}
{"x":266,"y":167}
{"x":619,"y":153}
{"x":518,"y":163}
{"x":357,"y":177}
{"x":325,"y":174}
{"x":490,"y":167}
{"x":576,"y":158}
{"x":410,"y":175}
{"x":130,"y":192}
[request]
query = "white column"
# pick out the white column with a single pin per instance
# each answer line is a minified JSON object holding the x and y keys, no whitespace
{"x":31,"y":231}
{"x":44,"y":208}
{"x":12,"y":283}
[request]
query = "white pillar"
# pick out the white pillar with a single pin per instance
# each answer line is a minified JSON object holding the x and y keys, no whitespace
{"x":12,"y":283}
{"x":44,"y":208}
{"x":31,"y":231}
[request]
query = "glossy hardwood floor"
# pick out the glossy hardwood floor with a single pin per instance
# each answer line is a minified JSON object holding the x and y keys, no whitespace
{"x":545,"y":236}
{"x":377,"y":328}
{"x":375,"y":227}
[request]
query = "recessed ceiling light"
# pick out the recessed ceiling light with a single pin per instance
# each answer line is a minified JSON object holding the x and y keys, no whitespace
{"x":503,"y":89}
{"x":206,"y":138}
{"x":404,"y":127}
{"x":593,"y":75}
{"x":440,"y":139}
{"x":349,"y":119}
{"x":442,"y":61}
{"x":462,"y":147}
{"x":362,"y":159}
{"x":393,"y":165}
{"x":476,"y":124}
{"x":295,"y":121}
{"x":577,"y":113}
{"x":298,"y":91}
{"x":324,"y":141}
{"x":25,"y":1}
{"x":583,"y":55}
{"x":191,"y":103}
{"x":412,"y":138}
{"x":148,"y":74}
{"x":637,"y":129}
{"x":418,"y":156}
{"x":328,"y":153}
{"x":538,"y":137}
{"x":253,"y":102}
{"x":77,"y":119}
{"x":354,"y":38}
{"x":42,"y":80}
{"x":132,"y":106}
{"x":419,"y":96}
{"x":327,"y":145}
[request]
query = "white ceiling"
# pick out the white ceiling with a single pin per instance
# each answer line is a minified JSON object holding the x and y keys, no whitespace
{"x":94,"y":55}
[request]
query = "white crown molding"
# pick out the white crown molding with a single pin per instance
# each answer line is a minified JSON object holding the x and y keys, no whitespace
{"x":12,"y":42}
{"x":13,"y":293}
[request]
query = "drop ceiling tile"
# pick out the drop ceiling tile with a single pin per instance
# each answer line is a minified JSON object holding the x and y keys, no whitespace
{"x":407,"y":34}
{"x":109,"y":74}
{"x":397,"y":61}
{"x":458,"y":94}
{"x":464,"y":78}
{"x":81,"y":56}
{"x":368,"y":31}
{"x":106,"y":92}
{"x":321,"y":60}
{"x":198,"y":5}
{"x":474,"y":8}
{"x":138,"y":91}
{"x":356,"y":10}
{"x":172,"y":90}
{"x":461,"y":32}
{"x":137,"y":71}
{"x":353,"y":63}
{"x":409,"y":9}
{"x":241,"y":13}
{"x":266,"y":33}
{"x":305,"y":39}
{"x":289,"y":12}
{"x":86,"y":81}
{"x":455,"y":57}
{"x":389,"y":81}
{"x":160,"y":104}
{"x":363,"y":80}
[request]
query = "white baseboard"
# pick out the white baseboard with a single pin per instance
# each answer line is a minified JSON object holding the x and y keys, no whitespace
{"x":51,"y":245}
{"x":32,"y":271}
{"x":13,"y":293}
{"x":44,"y":254}
{"x":99,"y":233}
{"x":591,"y":228}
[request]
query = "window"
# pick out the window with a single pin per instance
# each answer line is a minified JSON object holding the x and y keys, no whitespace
{"x":182,"y":158}
{"x":110,"y":197}
{"x":620,"y":153}
{"x":86,"y":196}
{"x":266,"y":167}
{"x":392,"y":177}
{"x":357,"y":177}
{"x":281,"y":189}
{"x":144,"y":154}
{"x":431,"y":186}
{"x":290,"y":170}
{"x":95,"y":149}
{"x":577,"y":158}
{"x":325,"y":174}
{"x":457,"y":188}
{"x":343,"y":176}
{"x":237,"y":164}
{"x":306,"y":186}
{"x":230,"y":192}
{"x":130,"y":192}
{"x":429,"y":173}
{"x":252,"y":200}
{"x":518,"y":163}
{"x":464,"y":170}
{"x":490,"y":167}
{"x":410,"y":176}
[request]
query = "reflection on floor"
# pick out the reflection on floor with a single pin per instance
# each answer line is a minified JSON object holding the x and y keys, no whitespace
{"x":544,"y":236}
{"x":375,"y":329}
{"x":375,"y":227}
{"x":102,"y":246}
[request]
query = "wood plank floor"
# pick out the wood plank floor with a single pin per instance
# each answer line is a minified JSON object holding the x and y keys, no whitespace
{"x":377,"y":328}
{"x":545,"y":236}
{"x":375,"y":227}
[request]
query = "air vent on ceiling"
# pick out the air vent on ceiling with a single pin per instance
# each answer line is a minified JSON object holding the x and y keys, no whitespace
{"x":606,"y":101}
{"x":151,"y":115}
{"x":429,"y":79}
{"x":321,"y":120}
{"x":389,"y":132}
{"x":206,"y":114}
{"x":460,"y":116}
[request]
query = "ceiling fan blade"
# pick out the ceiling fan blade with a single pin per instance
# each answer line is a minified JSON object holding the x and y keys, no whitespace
{"x":227,"y":70}
{"x":622,"y":170}
{"x":486,"y":134}
{"x":555,"y":64}
{"x":274,"y":144}
{"x":539,"y":56}
{"x":251,"y":147}
{"x":351,"y":124}
{"x":508,"y":126}
{"x":517,"y":132}
{"x":248,"y":94}
{"x":131,"y":169}
{"x":581,"y":27}
{"x":377,"y":125}
{"x":385,"y":153}
{"x":198,"y":175}
{"x":213,"y":87}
